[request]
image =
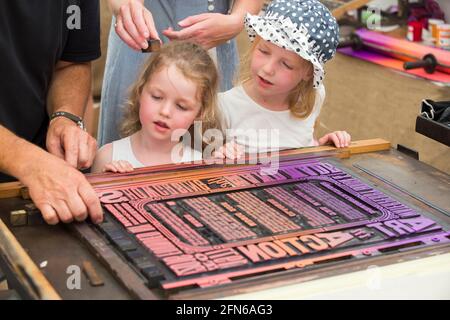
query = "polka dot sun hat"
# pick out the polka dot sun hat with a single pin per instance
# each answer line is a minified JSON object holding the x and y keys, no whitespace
{"x":305,"y":27}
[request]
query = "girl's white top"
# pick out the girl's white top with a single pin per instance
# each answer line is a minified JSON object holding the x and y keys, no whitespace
{"x":260,"y":129}
{"x":122,"y":151}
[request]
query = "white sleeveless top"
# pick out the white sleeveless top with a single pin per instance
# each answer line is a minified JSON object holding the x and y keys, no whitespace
{"x":260,"y":129}
{"x":121,"y":150}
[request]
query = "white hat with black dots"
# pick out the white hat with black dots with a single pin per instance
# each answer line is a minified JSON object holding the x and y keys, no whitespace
{"x":305,"y":27}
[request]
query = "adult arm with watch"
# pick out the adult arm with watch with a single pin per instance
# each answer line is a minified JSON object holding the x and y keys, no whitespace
{"x":60,"y":192}
{"x":67,"y":98}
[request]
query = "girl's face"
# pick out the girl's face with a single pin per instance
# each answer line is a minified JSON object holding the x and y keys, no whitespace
{"x":276,"y":71}
{"x":168,"y":102}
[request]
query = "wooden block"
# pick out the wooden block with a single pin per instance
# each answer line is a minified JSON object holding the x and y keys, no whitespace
{"x":34,"y":218}
{"x":153,"y":45}
{"x":10,"y":189}
{"x":9,"y":295}
{"x":24,"y":193}
{"x":371,"y":145}
{"x":18,"y":218}
{"x":92,"y":275}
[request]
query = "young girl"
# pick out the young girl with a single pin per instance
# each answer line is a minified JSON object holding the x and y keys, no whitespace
{"x":281,"y":86}
{"x":178,"y":85}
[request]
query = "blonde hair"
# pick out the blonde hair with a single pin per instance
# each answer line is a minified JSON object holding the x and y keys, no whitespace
{"x":196,"y":65}
{"x":301,"y":99}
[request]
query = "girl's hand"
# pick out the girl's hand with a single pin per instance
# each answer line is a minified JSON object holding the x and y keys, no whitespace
{"x":230,"y":150}
{"x":340,"y":139}
{"x":207,"y":29}
{"x":134,"y":23}
{"x":120,"y":166}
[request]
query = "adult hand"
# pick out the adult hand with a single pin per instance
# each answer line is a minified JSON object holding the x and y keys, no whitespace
{"x":340,"y":139}
{"x":59,"y":191}
{"x":207,"y":29}
{"x":134,"y":23}
{"x":69,"y":142}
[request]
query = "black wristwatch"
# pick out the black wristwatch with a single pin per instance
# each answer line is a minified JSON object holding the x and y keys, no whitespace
{"x":70,"y":116}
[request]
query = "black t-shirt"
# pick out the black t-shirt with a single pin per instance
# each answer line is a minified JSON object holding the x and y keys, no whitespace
{"x":34,"y":36}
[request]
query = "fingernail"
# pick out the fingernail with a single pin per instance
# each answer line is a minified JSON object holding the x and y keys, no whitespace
{"x":146,"y":34}
{"x":144,"y":45}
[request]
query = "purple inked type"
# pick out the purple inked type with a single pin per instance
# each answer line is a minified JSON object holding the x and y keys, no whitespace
{"x":209,"y":229}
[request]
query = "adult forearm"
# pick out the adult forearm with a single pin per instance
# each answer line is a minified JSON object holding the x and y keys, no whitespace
{"x":60,"y":192}
{"x":114,"y":5}
{"x":17,"y":154}
{"x":241,"y":7}
{"x":70,"y":88}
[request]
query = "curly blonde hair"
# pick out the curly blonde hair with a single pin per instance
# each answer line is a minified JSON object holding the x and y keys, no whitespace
{"x":196,"y":65}
{"x":302,"y":98}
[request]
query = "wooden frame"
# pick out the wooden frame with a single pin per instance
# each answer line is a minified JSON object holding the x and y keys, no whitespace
{"x":31,"y":283}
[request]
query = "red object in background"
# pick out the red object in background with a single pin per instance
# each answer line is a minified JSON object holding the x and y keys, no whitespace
{"x":427,"y":9}
{"x":414,"y":31}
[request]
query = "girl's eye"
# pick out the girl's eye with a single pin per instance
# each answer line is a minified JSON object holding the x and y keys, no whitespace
{"x":156,"y":97}
{"x":183,"y":108}
{"x":287,"y":66}
{"x":263,"y":51}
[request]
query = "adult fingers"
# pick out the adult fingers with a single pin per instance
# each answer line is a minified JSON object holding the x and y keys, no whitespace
{"x":87,"y":150}
{"x":54,"y":147}
{"x":124,"y":35}
{"x":48,"y":213}
{"x":63,"y":211}
{"x":184,"y":34}
{"x":148,"y":17}
{"x":70,"y":145}
{"x":90,"y":199}
{"x":130,"y":27}
{"x":189,"y":21}
{"x":83,"y":151}
{"x":137,"y":13}
{"x":77,"y":208}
